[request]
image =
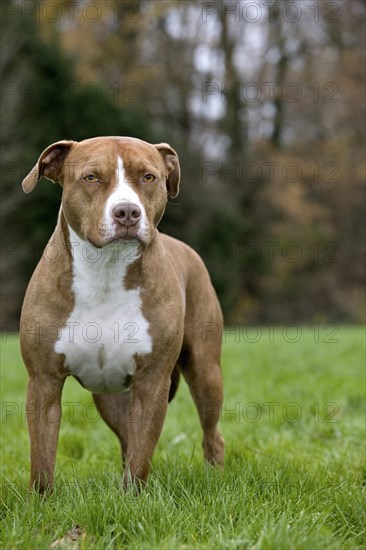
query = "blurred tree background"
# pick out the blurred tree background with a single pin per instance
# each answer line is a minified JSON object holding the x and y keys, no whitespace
{"x":265,"y":104}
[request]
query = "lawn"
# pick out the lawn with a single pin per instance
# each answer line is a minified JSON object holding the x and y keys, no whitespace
{"x":294,"y":477}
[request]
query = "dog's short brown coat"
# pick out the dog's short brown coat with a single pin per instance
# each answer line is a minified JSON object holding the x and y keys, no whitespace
{"x":178,"y":302}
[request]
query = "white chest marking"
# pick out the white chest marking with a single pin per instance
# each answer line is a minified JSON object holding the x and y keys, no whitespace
{"x":106,"y":327}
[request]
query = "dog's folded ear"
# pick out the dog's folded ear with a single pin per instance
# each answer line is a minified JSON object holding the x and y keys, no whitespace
{"x":173,"y":169}
{"x":49,"y":164}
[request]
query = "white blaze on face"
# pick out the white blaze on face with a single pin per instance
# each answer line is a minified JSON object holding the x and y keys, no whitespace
{"x":123,"y":192}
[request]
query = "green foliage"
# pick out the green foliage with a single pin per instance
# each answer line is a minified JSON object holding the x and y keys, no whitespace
{"x":291,"y":480}
{"x":49,"y":104}
{"x":143,"y":70}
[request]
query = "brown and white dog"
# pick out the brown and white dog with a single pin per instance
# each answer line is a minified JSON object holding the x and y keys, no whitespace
{"x":118,"y":305}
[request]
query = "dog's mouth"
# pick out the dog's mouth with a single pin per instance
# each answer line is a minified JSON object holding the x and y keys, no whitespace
{"x":103,"y":235}
{"x":123,"y":239}
{"x":127,"y":236}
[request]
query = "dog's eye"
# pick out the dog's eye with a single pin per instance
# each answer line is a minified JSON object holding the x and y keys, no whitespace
{"x":148,"y":178}
{"x":91,"y":179}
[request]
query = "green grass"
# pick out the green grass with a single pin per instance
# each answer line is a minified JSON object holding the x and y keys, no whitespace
{"x":293,"y":421}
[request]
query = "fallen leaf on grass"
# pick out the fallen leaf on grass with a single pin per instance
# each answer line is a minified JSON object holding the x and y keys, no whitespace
{"x":72,"y":538}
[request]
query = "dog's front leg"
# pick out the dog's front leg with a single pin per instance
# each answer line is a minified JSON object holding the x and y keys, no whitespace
{"x":43,"y":416}
{"x":148,"y":410}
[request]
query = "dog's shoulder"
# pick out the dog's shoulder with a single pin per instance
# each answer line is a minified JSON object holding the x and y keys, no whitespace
{"x":180,"y":251}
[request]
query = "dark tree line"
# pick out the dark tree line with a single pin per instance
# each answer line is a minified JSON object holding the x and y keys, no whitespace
{"x":267,"y":114}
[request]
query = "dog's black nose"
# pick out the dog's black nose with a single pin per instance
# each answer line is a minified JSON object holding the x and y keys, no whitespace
{"x":126,"y":213}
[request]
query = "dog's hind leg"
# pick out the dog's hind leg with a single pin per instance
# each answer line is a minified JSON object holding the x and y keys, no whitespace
{"x":116,"y":411}
{"x":203,"y":376}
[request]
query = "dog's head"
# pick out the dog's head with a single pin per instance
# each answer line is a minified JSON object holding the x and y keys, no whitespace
{"x":114,"y":188}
